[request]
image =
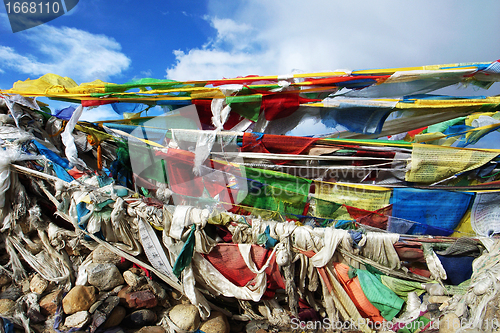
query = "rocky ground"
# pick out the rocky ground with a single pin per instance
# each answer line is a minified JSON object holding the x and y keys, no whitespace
{"x":118,"y":295}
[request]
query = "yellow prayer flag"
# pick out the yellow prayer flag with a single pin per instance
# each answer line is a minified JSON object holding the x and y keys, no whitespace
{"x":431,"y":163}
{"x":360,"y":197}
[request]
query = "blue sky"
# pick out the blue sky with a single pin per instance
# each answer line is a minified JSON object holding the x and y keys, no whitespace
{"x":117,"y":41}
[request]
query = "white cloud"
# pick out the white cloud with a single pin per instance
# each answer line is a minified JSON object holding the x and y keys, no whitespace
{"x":228,"y":31}
{"x":147,"y":73}
{"x":227,"y":55}
{"x":275,"y":37}
{"x":67,"y":52}
{"x":210,"y":64}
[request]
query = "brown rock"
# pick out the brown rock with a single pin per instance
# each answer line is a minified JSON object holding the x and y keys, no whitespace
{"x":49,"y":303}
{"x":449,"y":323}
{"x":141,"y":299}
{"x":429,"y":315}
{"x":70,"y":251}
{"x":7,"y":307}
{"x":122,"y":294}
{"x":38,"y":284}
{"x":115,"y":317}
{"x":216,"y":323}
{"x":4,"y":279}
{"x":25,"y":286}
{"x":178,"y":298}
{"x":151,"y":329}
{"x":80,"y":298}
{"x":137,"y":271}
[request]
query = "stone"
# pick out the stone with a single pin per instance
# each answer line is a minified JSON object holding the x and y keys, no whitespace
{"x":185,"y":316}
{"x":101,"y":255}
{"x":25,"y":286}
{"x":103,"y":311}
{"x":439,"y":299}
{"x":104,"y":276}
{"x":151,"y":329}
{"x":7,"y":307}
{"x":434,"y":289}
{"x":140,"y":318}
{"x":216,"y":323}
{"x":5,"y":279}
{"x":117,"y":289}
{"x":133,"y":280}
{"x":48,"y":304}
{"x":263,"y":310}
{"x":429,"y":315}
{"x":115,"y":317}
{"x":95,"y":306}
{"x":137,"y":271}
{"x":449,"y":323}
{"x":432,"y":307}
{"x":178,"y":298}
{"x":38,"y":284}
{"x":77,"y":320}
{"x":141,"y":299}
{"x":79,"y":298}
{"x":122,"y":294}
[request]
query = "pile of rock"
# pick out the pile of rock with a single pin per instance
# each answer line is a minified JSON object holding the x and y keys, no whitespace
{"x":115,"y":295}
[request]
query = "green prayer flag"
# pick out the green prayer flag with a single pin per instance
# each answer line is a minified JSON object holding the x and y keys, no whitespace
{"x":186,"y":254}
{"x":383,"y":298}
{"x":246,"y":106}
{"x":275,"y":191}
